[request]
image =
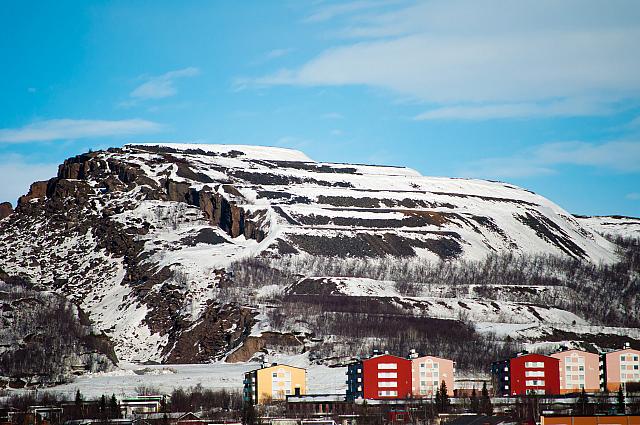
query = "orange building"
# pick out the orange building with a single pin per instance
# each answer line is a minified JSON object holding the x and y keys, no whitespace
{"x":621,"y":367}
{"x":578,"y":370}
{"x":590,"y":420}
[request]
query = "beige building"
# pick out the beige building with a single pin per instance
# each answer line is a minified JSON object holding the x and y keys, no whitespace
{"x":274,"y":383}
{"x":578,"y":370}
{"x":621,"y":367}
{"x":427,"y":374}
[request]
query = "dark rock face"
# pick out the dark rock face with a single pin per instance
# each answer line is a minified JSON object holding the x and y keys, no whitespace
{"x":268,"y":340}
{"x":5,"y":209}
{"x":37,"y":190}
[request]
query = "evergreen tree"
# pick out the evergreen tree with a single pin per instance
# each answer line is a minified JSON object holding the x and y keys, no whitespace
{"x":249,"y":416}
{"x":475,"y":403}
{"x":620,"y":402}
{"x":102,"y":407}
{"x":438,"y":401}
{"x":78,"y":405}
{"x":582,"y":405}
{"x":444,"y":398}
{"x":485,"y":402}
{"x":114,"y":408}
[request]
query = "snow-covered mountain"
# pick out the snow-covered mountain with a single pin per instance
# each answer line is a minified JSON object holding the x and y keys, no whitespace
{"x":142,"y":237}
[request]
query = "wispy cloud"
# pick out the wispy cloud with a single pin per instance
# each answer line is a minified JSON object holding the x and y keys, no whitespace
{"x":617,"y":156}
{"x":507,"y":60}
{"x":163,"y":85}
{"x":563,"y":108}
{"x":331,"y":11}
{"x":634,"y":196}
{"x":60,"y":129}
{"x":333,"y":116}
{"x":278,"y":53}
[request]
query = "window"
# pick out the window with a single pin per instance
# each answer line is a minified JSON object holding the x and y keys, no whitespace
{"x":275,"y":374}
{"x":534,"y":364}
{"x":580,"y":368}
{"x":387,"y":384}
{"x":387,"y":365}
{"x":387,"y":393}
{"x":534,"y":383}
{"x":383,"y":375}
{"x":534,"y":373}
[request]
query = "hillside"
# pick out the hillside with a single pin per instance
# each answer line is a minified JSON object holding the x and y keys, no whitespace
{"x":154,"y":243}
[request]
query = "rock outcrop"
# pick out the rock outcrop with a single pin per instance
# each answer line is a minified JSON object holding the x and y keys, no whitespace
{"x":5,"y":209}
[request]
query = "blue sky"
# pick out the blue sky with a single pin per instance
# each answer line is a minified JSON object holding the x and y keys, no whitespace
{"x":543,"y":94}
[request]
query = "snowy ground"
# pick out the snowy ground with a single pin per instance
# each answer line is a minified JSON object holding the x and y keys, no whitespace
{"x":124,"y":381}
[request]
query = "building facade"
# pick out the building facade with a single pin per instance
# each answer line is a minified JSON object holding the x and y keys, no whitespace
{"x":527,"y":374}
{"x":274,"y":382}
{"x":381,"y":377}
{"x":578,"y":370}
{"x":619,"y":368}
{"x":428,"y":372}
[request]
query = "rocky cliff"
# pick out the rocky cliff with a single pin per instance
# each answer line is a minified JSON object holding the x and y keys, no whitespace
{"x":142,"y":237}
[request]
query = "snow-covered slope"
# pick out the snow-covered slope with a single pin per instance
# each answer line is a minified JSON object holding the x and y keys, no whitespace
{"x":140,"y":237}
{"x":616,"y":226}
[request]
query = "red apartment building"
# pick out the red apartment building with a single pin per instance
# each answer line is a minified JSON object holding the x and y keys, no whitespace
{"x":381,"y":377}
{"x":527,"y":374}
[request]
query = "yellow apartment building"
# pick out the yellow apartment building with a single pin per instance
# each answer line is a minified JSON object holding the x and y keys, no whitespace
{"x":274,"y":383}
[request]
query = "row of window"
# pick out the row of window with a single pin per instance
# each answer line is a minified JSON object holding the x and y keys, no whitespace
{"x":535,"y":383}
{"x":534,"y":364}
{"x":628,"y":358}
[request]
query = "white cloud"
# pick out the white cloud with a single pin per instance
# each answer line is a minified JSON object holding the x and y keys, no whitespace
{"x":489,"y":54}
{"x":328,"y":12}
{"x":277,"y":53}
{"x":59,"y":129}
{"x":634,"y":196}
{"x":332,"y":116}
{"x":618,"y":156}
{"x":17,"y":176}
{"x":163,"y":85}
{"x":564,"y":108}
